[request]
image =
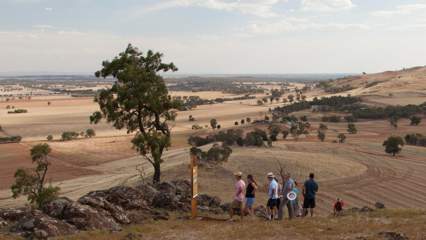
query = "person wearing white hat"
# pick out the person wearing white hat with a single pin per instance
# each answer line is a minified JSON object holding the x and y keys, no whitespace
{"x":272,"y":196}
{"x":237,"y":203}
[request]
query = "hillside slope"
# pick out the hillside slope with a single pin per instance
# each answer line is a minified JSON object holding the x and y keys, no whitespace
{"x":408,"y":85}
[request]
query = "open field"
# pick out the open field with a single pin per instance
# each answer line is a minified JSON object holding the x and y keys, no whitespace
{"x":358,"y":171}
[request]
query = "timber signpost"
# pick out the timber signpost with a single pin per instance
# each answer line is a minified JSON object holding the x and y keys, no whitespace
{"x":194,"y":185}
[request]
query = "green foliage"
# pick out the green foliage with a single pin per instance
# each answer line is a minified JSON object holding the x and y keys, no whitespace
{"x":393,"y":120}
{"x":18,"y":111}
{"x":196,"y":127}
{"x":393,"y":145}
{"x":352,"y":128}
{"x":139,"y":102}
{"x":68,"y":136}
{"x":274,"y":130}
{"x":415,"y":120}
{"x":49,"y":137}
{"x":248,"y":120}
{"x":416,"y":139}
{"x":90,"y":133}
{"x":285,"y":134}
{"x":323,"y":127}
{"x":213,"y":123}
{"x":321,"y":135}
{"x":333,"y":118}
{"x":11,"y":139}
{"x":191,"y":118}
{"x":341,"y":137}
{"x":31,"y":183}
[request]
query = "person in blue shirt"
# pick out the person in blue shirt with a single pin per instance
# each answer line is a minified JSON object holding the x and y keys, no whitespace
{"x":310,"y":190}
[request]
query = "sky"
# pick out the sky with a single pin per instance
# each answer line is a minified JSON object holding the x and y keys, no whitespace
{"x":215,"y":36}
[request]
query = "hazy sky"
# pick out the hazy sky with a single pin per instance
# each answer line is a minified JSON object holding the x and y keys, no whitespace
{"x":215,"y":36}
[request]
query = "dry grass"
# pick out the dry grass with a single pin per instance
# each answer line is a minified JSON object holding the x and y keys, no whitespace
{"x":410,"y":222}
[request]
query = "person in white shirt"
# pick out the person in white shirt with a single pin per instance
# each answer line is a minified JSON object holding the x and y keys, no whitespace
{"x":272,"y":196}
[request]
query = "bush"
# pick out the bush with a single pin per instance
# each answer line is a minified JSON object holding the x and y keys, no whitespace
{"x":68,"y":136}
{"x":333,"y":118}
{"x":415,"y":121}
{"x":285,"y":134}
{"x":352,"y":128}
{"x":90,"y":133}
{"x":321,"y":136}
{"x":219,"y":154}
{"x":341,"y":137}
{"x":18,"y":111}
{"x":198,"y":141}
{"x":274,"y":130}
{"x":49,"y":138}
{"x":196,"y":127}
{"x":415,"y":139}
{"x":350,"y":119}
{"x":11,"y":139}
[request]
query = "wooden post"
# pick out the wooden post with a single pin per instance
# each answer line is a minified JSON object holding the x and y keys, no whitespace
{"x":194,"y":185}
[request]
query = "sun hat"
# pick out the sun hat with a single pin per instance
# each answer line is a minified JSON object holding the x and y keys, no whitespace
{"x":238,"y":174}
{"x":270,"y":175}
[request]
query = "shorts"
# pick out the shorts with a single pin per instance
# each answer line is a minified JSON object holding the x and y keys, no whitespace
{"x":272,"y":203}
{"x":236,"y":204}
{"x":250,"y":202}
{"x":309,"y":203}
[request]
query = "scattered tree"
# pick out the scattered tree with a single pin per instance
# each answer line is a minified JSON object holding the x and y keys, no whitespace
{"x":393,"y":145}
{"x":393,"y":120}
{"x":323,"y":127}
{"x":321,"y":136}
{"x":415,"y":121}
{"x":248,"y":120}
{"x":32,"y":183}
{"x":191,"y":118}
{"x":68,"y":136}
{"x":341,"y":137}
{"x":49,"y":138}
{"x":352,"y":128}
{"x":213,"y":123}
{"x":139,"y":101}
{"x":90,"y":133}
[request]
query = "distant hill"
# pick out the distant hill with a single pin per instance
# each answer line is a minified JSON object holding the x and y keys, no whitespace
{"x":403,"y":83}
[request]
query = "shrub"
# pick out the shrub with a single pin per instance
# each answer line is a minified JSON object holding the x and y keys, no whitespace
{"x":213,"y":123}
{"x":285,"y":134}
{"x":415,"y":121}
{"x":11,"y":139}
{"x":415,"y":139}
{"x":341,"y":137}
{"x":321,"y":136}
{"x":68,"y":136}
{"x":323,"y":127}
{"x":333,"y":118}
{"x":352,"y":128}
{"x":274,"y":130}
{"x":191,"y":118}
{"x":18,"y":111}
{"x":196,"y":127}
{"x":350,"y":119}
{"x":90,"y":133}
{"x":49,"y":138}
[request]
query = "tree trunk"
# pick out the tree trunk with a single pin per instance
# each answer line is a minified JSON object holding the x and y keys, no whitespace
{"x":157,"y":173}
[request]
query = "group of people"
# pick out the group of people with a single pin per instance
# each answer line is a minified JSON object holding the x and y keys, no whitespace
{"x":281,"y":194}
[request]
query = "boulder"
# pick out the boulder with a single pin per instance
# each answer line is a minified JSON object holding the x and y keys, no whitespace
{"x":3,"y":223}
{"x":13,"y":214}
{"x":393,"y":236}
{"x":166,"y":201}
{"x":56,"y":207}
{"x":100,"y":203}
{"x":148,"y":192}
{"x":208,"y":201}
{"x":183,"y":188}
{"x":39,"y":225}
{"x":261,"y":212}
{"x":366,"y":209}
{"x":126,"y":197}
{"x":85,"y":217}
{"x":379,"y":205}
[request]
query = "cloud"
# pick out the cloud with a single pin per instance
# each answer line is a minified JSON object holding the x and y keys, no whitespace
{"x":300,"y":24}
{"x":260,"y":8}
{"x":402,"y":10}
{"x":48,"y":9}
{"x":326,"y":5}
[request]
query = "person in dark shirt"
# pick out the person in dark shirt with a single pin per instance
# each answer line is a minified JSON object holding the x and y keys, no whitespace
{"x":250,"y":194}
{"x":310,"y":189}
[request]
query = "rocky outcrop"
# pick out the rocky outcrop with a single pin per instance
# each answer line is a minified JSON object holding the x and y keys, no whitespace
{"x":35,"y":223}
{"x":379,"y":205}
{"x":393,"y":236}
{"x":106,"y":209}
